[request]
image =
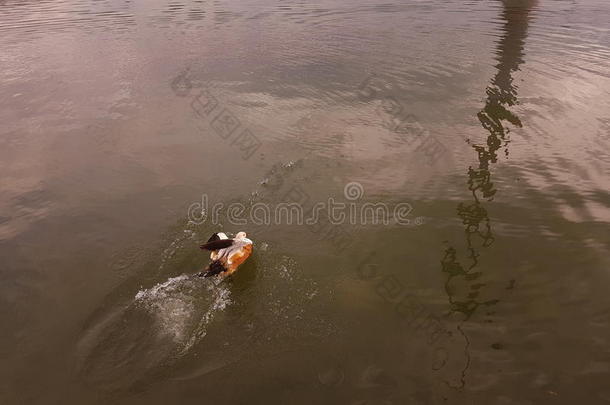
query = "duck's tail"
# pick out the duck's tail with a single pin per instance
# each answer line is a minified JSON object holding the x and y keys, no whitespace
{"x":213,"y":269}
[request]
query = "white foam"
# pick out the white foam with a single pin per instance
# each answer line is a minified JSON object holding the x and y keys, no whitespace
{"x":184,"y":306}
{"x":219,"y":303}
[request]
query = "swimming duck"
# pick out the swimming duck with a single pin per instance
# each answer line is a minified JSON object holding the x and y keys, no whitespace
{"x":226,"y":253}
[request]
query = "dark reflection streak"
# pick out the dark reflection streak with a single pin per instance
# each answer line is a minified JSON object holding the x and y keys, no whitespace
{"x":466,"y":355}
{"x":501,"y":94}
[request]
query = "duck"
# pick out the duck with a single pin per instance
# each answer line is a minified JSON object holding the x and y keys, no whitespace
{"x":227,"y":254}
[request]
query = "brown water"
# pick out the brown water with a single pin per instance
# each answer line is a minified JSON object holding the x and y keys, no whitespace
{"x":489,"y":119}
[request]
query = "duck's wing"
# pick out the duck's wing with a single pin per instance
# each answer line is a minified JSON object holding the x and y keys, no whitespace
{"x":217,"y":236}
{"x":217,"y":244}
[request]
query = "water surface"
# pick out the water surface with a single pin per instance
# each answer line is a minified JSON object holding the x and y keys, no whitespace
{"x":489,"y":118}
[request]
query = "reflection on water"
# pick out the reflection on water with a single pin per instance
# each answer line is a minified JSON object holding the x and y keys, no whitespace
{"x":501,"y":95}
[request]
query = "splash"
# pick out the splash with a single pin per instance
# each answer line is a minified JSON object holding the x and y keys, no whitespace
{"x":181,"y":309}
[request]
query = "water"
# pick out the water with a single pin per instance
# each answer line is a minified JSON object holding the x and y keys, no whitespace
{"x":488,"y":121}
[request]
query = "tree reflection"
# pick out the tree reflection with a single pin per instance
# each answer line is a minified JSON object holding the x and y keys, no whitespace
{"x":494,"y":118}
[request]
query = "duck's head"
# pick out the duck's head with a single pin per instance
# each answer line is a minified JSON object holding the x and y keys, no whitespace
{"x":240,"y":235}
